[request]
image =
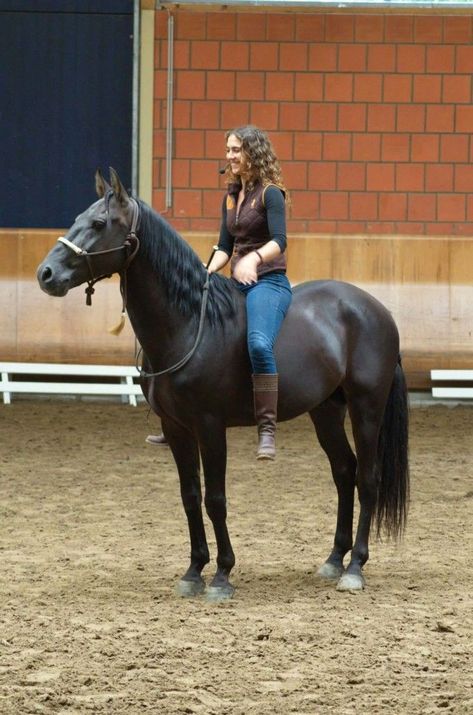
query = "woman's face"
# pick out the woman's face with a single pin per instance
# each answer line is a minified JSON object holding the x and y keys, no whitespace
{"x":235,"y":156}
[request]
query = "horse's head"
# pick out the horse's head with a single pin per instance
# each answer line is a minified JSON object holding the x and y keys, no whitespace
{"x":99,"y":243}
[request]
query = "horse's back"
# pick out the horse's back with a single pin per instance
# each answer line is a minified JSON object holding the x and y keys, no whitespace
{"x":347,"y":295}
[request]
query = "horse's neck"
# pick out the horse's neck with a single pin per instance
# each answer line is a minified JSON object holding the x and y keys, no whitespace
{"x":159,"y":327}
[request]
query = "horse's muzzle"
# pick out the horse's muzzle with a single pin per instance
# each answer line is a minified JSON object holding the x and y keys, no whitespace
{"x":51,"y":283}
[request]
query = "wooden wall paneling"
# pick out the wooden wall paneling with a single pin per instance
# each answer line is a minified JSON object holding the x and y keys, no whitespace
{"x":38,"y":318}
{"x":66,"y":330}
{"x":461,"y":298}
{"x":48,"y":329}
{"x":8,"y":294}
{"x":422,"y":281}
{"x":425,"y":283}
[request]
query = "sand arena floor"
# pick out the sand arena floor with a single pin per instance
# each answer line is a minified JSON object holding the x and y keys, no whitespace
{"x":93,"y":539}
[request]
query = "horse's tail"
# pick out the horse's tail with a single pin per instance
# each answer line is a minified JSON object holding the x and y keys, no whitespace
{"x":393,"y":460}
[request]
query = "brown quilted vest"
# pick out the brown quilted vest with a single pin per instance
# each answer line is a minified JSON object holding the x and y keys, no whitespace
{"x":250,"y":227}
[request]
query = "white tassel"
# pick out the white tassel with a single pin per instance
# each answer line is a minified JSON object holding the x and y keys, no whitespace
{"x":117,"y":329}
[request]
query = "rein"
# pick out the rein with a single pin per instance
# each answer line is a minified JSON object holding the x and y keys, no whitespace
{"x":183,"y":361}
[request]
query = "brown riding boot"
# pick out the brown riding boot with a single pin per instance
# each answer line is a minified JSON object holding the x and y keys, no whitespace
{"x":265,"y":392}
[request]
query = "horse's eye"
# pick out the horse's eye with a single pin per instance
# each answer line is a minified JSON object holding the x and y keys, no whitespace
{"x":98,"y":223}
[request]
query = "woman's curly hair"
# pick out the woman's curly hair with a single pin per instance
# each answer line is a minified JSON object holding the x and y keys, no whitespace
{"x":262,"y":163}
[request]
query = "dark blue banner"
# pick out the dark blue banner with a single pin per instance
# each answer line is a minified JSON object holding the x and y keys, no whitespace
{"x":87,"y":6}
{"x":65,"y":109}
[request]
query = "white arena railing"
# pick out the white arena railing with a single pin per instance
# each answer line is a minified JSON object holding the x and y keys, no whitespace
{"x":43,"y":372}
{"x":461,"y":392}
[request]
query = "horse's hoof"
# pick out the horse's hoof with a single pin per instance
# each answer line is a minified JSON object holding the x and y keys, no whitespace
{"x":189,"y":589}
{"x":330,"y":571}
{"x":220,"y":593}
{"x":351,"y":582}
{"x":271,"y":456}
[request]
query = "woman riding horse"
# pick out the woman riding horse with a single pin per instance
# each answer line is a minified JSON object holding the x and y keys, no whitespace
{"x":337,"y":353}
{"x":253,"y":237}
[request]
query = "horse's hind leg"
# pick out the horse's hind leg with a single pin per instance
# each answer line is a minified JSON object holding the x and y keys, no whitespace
{"x":186,"y":455}
{"x":366,"y":415}
{"x":328,"y":419}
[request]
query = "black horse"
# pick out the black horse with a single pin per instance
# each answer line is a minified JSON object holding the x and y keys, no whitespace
{"x":338,"y":350}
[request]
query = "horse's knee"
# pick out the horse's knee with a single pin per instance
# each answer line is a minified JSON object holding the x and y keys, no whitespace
{"x":216,"y":507}
{"x":191,"y":500}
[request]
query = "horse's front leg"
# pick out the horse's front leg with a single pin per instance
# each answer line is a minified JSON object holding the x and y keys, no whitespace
{"x":185,"y":451}
{"x":213,"y":449}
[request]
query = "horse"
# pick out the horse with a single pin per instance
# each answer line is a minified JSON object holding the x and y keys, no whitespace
{"x":337,"y":353}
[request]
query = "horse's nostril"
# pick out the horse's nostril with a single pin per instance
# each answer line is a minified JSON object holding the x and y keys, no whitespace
{"x":52,"y":280}
{"x":46,"y":274}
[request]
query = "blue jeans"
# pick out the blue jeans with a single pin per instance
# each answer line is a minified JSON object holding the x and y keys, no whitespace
{"x":267,"y":303}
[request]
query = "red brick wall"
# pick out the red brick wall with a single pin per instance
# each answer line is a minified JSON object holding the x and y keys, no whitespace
{"x":371,"y":116}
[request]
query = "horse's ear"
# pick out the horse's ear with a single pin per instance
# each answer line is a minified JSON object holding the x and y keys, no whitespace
{"x":101,"y":186}
{"x":118,"y":188}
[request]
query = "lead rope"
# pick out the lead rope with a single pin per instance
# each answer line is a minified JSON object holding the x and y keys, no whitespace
{"x":183,"y":361}
{"x":117,"y":329}
{"x":131,"y":236}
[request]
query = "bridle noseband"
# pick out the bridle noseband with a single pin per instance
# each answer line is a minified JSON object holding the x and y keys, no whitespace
{"x":131,"y":244}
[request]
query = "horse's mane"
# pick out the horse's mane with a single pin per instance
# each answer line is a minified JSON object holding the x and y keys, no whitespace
{"x":180,"y":271}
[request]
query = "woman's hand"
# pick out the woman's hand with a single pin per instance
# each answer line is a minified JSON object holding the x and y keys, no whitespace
{"x":219,"y":260}
{"x":245,"y":270}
